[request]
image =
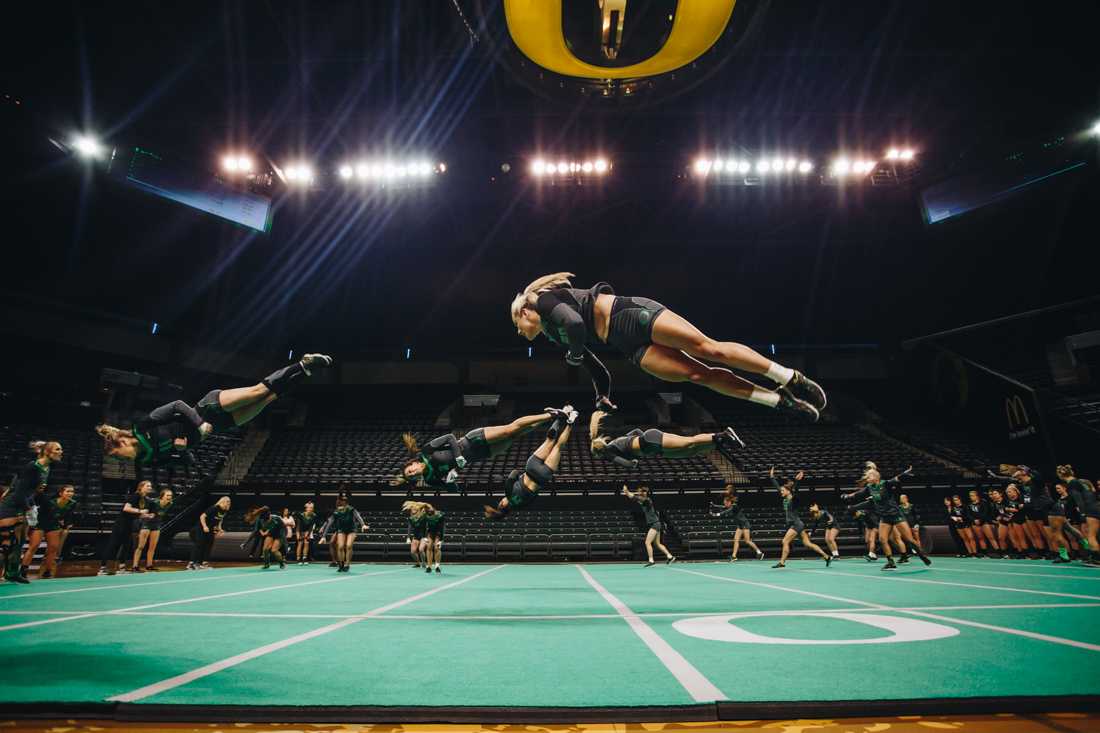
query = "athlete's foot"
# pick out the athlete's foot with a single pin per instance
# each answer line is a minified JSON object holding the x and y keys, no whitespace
{"x":19,"y":579}
{"x":759,"y":555}
{"x":437,"y":569}
{"x":733,"y":559}
{"x":571,"y":417}
{"x":267,"y":565}
{"x":903,"y":558}
{"x":137,"y":569}
{"x":322,"y":361}
{"x":333,"y":564}
{"x":649,"y":564}
{"x":828,"y":560}
{"x":671,"y":559}
{"x":808,"y":390}
{"x":282,"y":565}
{"x":925,"y":559}
{"x":790,"y":404}
{"x":729,"y":439}
{"x":556,"y":412}
{"x":45,"y":575}
{"x":427,"y":570}
{"x":190,"y":566}
{"x":889,"y":565}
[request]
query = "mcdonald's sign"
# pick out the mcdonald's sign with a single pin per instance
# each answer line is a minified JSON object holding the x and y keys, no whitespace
{"x":1018,"y":418}
{"x":536,"y":28}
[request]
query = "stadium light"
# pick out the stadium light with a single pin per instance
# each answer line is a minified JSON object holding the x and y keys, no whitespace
{"x":744,"y":166}
{"x":906,"y":155}
{"x":299,"y":174}
{"x":1096,"y":128}
{"x":602,"y":166}
{"x":841,"y":167}
{"x":763,"y":166}
{"x":346,"y":172}
{"x":237,"y":164}
{"x":805,"y":166}
{"x":702,"y":166}
{"x":87,"y":146}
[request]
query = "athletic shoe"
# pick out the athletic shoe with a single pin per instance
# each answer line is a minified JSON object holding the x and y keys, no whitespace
{"x":732,"y":559}
{"x":415,"y":565}
{"x":19,"y":579}
{"x":925,"y":559}
{"x":670,"y":560}
{"x":871,"y":558}
{"x":309,"y":562}
{"x":103,"y":571}
{"x":137,"y":569}
{"x":152,"y":569}
{"x":46,"y":575}
{"x":333,"y":564}
{"x":807,"y":390}
{"x":556,"y":412}
{"x":729,"y":439}
{"x":282,"y":565}
{"x":190,"y":566}
{"x":206,"y":566}
{"x":572,"y":417}
{"x":437,"y":569}
{"x":903,"y":559}
{"x":345,"y":569}
{"x":267,"y":566}
{"x":780,"y":565}
{"x":316,"y":360}
{"x":790,"y":404}
{"x":760,"y":556}
{"x":122,"y":571}
{"x":828,"y":561}
{"x":649,"y":564}
{"x":427,"y":570}
{"x":889,"y":565}
{"x":1060,"y":560}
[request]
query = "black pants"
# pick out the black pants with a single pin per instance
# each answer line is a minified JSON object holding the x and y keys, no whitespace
{"x":121,"y":541}
{"x":201,"y":544}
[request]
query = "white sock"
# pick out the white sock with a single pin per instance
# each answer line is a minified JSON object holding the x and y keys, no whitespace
{"x":764,"y":397}
{"x":779,"y":374}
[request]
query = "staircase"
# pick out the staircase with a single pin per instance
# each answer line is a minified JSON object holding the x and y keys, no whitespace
{"x":874,"y":430}
{"x":240,"y":460}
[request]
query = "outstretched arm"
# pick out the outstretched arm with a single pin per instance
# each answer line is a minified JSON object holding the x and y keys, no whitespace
{"x":628,"y":493}
{"x":601,"y":379}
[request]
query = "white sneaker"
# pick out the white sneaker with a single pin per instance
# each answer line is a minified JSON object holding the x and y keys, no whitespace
{"x":122,"y":570}
{"x":206,"y":566}
{"x":102,"y":571}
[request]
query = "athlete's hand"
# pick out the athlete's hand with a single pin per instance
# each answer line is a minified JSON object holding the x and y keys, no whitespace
{"x":321,"y":541}
{"x":205,"y":429}
{"x":460,"y":461}
{"x":800,"y":475}
{"x":771,"y":472}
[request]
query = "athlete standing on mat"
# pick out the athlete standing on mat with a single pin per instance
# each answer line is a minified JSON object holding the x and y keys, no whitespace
{"x":960,"y":514}
{"x":1036,"y":501}
{"x":136,"y":507}
{"x":29,"y":482}
{"x":795,"y":527}
{"x":522,"y":486}
{"x":731,"y":510}
{"x":626,"y":450}
{"x":882,"y":493}
{"x":909,"y":513}
{"x":980,"y":518}
{"x":1083,"y":494}
{"x":437,"y":464}
{"x":205,"y":532}
{"x":54,"y":521}
{"x":435,"y":521}
{"x":653,"y":524}
{"x":305,"y":525}
{"x":822,"y":518}
{"x":149,"y":529}
{"x":657,"y":340}
{"x":345,"y":522}
{"x":177,"y":426}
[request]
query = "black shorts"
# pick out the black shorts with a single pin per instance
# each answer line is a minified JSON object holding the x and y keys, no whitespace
{"x":891,"y":519}
{"x":436,"y":534}
{"x":743,"y":524}
{"x":797,"y":526}
{"x":537,"y":470}
{"x":631,"y":326}
{"x":417,"y":534}
{"x":657,"y":526}
{"x":476,"y":447}
{"x":520,"y":495}
{"x":210,"y":410}
{"x":652,"y":442}
{"x":153,"y":525}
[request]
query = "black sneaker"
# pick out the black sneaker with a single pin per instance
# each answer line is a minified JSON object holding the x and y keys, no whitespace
{"x":45,"y":575}
{"x":760,"y":556}
{"x":670,"y":560}
{"x":649,"y":564}
{"x":282,"y":565}
{"x":437,"y":569}
{"x":267,"y":565}
{"x":416,"y":565}
{"x":828,"y":561}
{"x":790,"y":404}
{"x":19,"y":579}
{"x":925,"y":559}
{"x":780,"y":565}
{"x":333,"y":564}
{"x":729,"y":439}
{"x":889,"y":565}
{"x":427,"y":570}
{"x":808,"y":390}
{"x":903,"y":559}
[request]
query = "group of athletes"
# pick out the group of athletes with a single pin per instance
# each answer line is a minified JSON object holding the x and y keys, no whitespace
{"x":654,"y":338}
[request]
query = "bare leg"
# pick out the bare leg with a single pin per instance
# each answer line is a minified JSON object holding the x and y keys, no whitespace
{"x":235,"y":398}
{"x":680,"y":446}
{"x":787,"y":537}
{"x":676,"y":366}
{"x":673,"y":331}
{"x":749,"y":542}
{"x":649,"y":537}
{"x":884,"y":539}
{"x":736,"y":543}
{"x":660,"y":545}
{"x":349,"y":548}
{"x":812,"y":545}
{"x":243,"y":415}
{"x":154,"y":538}
{"x":53,"y":549}
{"x":143,"y":537}
{"x":34,"y":539}
{"x":830,"y":540}
{"x":521,"y":425}
{"x":553,"y":455}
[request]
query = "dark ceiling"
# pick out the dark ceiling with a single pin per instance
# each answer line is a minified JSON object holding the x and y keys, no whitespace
{"x":963,"y":81}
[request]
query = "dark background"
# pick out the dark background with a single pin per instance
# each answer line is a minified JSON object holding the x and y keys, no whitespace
{"x":966,"y":83}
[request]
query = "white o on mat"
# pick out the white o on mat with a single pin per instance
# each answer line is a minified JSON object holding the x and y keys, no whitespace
{"x":723,"y":628}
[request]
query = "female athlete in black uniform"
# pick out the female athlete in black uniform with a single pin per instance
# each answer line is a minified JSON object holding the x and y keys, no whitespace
{"x":522,"y":486}
{"x":960,"y":515}
{"x":868,"y":522}
{"x":1036,"y":502}
{"x":659,"y":341}
{"x":149,"y":529}
{"x":437,"y":464}
{"x":345,"y":522}
{"x":305,"y":524}
{"x":730,"y":509}
{"x":120,"y":545}
{"x":1060,"y":525}
{"x":29,"y":482}
{"x":999,"y":519}
{"x":416,"y":537}
{"x":1083,"y":494}
{"x":881,"y":493}
{"x":977,"y":510}
{"x":626,"y":450}
{"x":822,"y":518}
{"x":54,"y":521}
{"x":909,"y":513}
{"x":177,"y":427}
{"x":795,"y":527}
{"x":205,"y":532}
{"x":653,"y":524}
{"x":961,"y":548}
{"x":273,"y":530}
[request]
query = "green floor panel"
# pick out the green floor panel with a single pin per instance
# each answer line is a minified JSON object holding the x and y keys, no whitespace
{"x":486,"y":641}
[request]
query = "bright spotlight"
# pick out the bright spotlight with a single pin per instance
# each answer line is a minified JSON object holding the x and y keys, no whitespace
{"x":777,"y":164}
{"x":600,"y":165}
{"x":425,"y":170}
{"x":805,"y":166}
{"x":573,"y":167}
{"x":893,"y":154}
{"x":229,"y":163}
{"x":376,"y":170}
{"x":791,"y":164}
{"x":244,"y":164}
{"x":563,"y":167}
{"x":1096,"y":128}
{"x":841,"y":167}
{"x":87,"y":146}
{"x":442,"y":167}
{"x":702,"y":165}
{"x":763,"y":166}
{"x":587,"y":167}
{"x":744,"y":166}
{"x":362,"y":171}
{"x":538,"y":166}
{"x":906,"y":154}
{"x":719,"y":164}
{"x":299,"y":174}
{"x":346,"y":172}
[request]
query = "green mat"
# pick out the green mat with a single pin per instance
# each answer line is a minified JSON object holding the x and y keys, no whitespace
{"x":556,"y":635}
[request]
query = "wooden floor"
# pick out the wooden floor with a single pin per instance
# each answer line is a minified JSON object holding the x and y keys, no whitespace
{"x":1048,"y":723}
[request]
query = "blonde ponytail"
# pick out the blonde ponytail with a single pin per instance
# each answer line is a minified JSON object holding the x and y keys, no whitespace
{"x":410,"y":443}
{"x":539,"y":285}
{"x":37,"y":446}
{"x":415,"y":509}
